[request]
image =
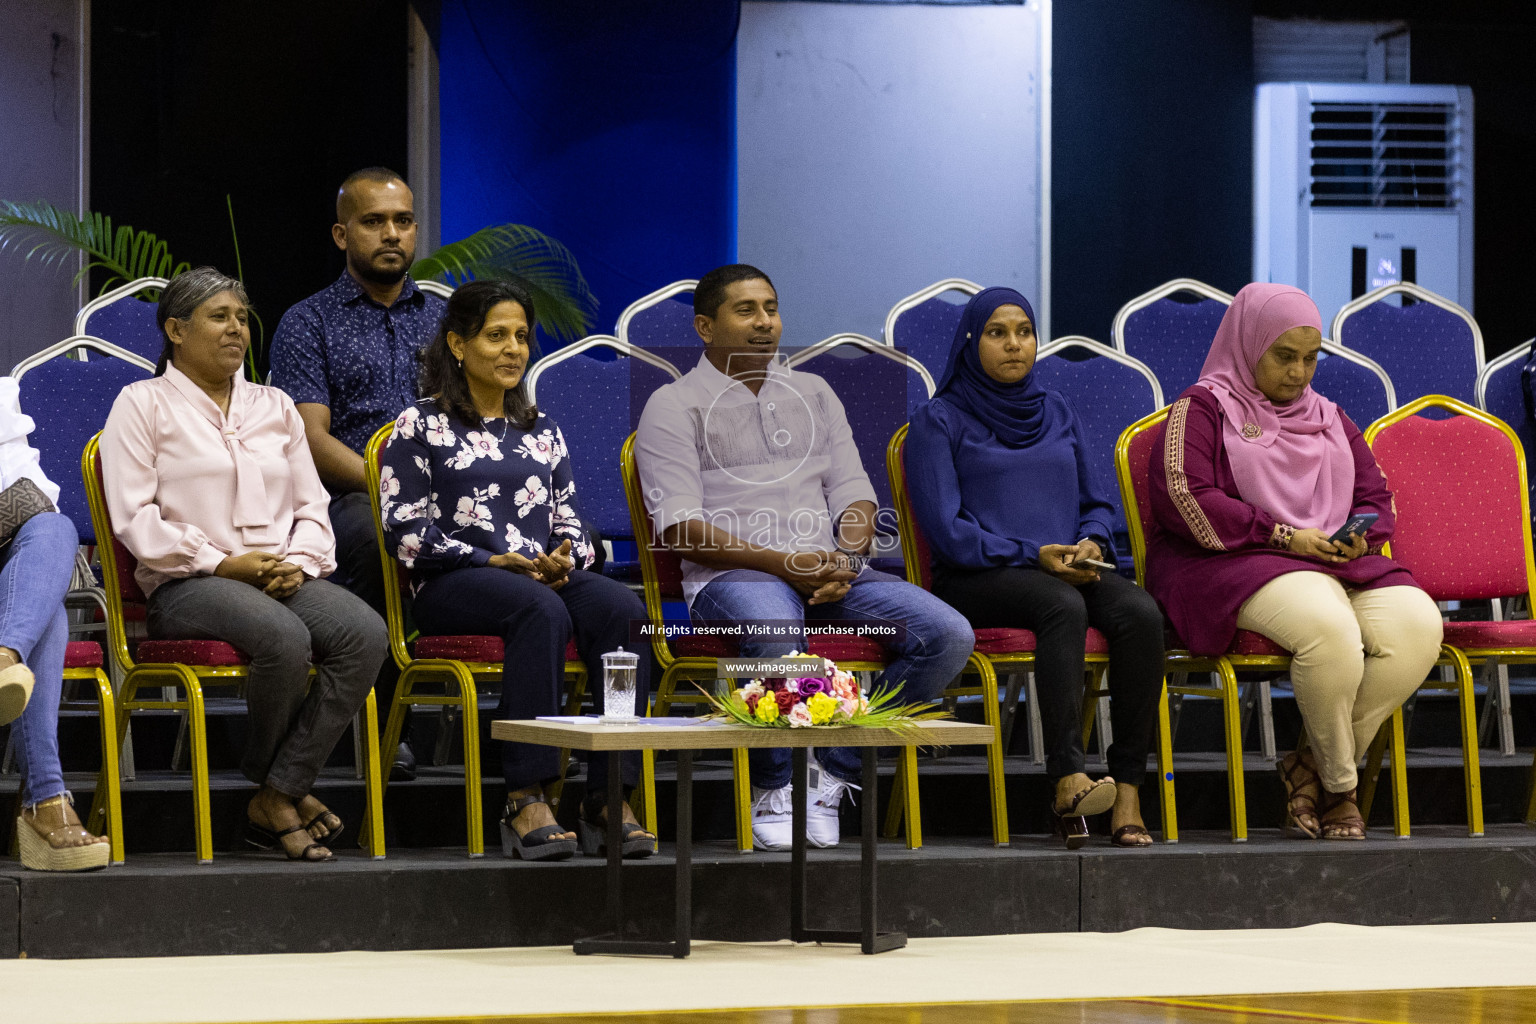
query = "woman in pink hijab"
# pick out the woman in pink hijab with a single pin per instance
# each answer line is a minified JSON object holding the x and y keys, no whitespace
{"x":1255,"y":473}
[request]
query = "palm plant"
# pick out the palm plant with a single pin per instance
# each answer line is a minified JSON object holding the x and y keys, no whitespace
{"x":560,"y":293}
{"x":546,"y":267}
{"x":125,"y":254}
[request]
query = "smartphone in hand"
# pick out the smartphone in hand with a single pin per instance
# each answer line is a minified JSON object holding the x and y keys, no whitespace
{"x":1090,"y":563}
{"x":1357,"y":525}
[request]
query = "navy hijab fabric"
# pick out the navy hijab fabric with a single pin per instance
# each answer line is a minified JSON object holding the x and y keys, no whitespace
{"x":1020,"y":414}
{"x":995,"y":471}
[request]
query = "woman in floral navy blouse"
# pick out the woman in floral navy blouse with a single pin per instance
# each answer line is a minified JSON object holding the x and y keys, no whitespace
{"x":479,"y":503}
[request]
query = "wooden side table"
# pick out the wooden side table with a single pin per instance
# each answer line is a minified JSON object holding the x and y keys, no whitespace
{"x":655,"y":734}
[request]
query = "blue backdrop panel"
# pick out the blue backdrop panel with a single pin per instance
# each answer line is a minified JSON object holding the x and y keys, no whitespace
{"x":610,"y":126}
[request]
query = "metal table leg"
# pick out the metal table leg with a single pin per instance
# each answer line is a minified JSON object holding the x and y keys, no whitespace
{"x":612,"y":941}
{"x":869,"y":939}
{"x":683,"y":879}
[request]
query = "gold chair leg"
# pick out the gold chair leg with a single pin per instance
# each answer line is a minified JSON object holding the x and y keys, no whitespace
{"x":906,"y":766}
{"x":1367,"y":782}
{"x":896,"y":808}
{"x":742,"y":779}
{"x":1165,"y":769}
{"x":472,"y":796}
{"x":996,"y":778}
{"x":1471,"y":766}
{"x":645,"y":809}
{"x":1388,"y":737}
{"x":108,"y":799}
{"x":198,"y":734}
{"x":1090,"y":703}
{"x":1400,"y":825}
{"x":394,"y":725}
{"x":372,"y":839}
{"x":646,"y":814}
{"x":1231,"y":703}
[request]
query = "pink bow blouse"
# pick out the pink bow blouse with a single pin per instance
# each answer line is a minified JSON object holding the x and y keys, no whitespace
{"x":188,"y":485}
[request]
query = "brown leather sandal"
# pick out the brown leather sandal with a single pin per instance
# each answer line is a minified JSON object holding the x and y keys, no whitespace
{"x":1302,"y":790}
{"x":1129,"y":836}
{"x":49,"y":834}
{"x":1349,"y":826}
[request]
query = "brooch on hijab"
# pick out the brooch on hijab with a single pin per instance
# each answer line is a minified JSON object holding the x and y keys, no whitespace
{"x":1251,"y":430}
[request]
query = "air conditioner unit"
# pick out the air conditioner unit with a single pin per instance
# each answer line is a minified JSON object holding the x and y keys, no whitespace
{"x":1356,"y":186}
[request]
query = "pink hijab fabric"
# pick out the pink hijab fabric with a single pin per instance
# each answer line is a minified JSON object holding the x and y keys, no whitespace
{"x":1291,"y":460}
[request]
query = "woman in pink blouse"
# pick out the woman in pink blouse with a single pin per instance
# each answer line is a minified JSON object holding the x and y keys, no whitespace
{"x":210,"y":485}
{"x":1255,"y":473}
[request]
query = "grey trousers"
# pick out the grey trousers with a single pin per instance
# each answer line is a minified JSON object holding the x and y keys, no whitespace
{"x":294,"y":725}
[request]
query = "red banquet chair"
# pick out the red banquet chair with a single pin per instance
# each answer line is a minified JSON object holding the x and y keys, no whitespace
{"x":1014,"y":648}
{"x":690,"y":658}
{"x":1135,"y":455}
{"x":189,"y":666}
{"x":1463,"y":518}
{"x":454,"y":663}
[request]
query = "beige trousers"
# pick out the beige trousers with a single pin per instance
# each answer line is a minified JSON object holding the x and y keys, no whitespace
{"x":1355,"y":656}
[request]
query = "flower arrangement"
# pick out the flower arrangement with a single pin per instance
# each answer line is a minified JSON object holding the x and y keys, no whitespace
{"x":817,"y":702}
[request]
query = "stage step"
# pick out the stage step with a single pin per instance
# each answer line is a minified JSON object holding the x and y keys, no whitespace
{"x":164,"y":905}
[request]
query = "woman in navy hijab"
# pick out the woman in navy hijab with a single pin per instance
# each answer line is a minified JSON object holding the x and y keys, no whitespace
{"x":1000,"y":485}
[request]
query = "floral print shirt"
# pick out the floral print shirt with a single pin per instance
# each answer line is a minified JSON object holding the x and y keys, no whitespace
{"x":452,"y":497}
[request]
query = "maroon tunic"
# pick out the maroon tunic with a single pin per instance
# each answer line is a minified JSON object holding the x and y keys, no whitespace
{"x":1208,"y":551}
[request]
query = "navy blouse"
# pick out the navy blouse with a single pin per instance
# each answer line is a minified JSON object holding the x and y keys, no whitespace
{"x":452,"y":497}
{"x":985,"y":504}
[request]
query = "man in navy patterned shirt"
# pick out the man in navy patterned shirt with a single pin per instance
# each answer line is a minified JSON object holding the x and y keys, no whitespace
{"x":347,"y":358}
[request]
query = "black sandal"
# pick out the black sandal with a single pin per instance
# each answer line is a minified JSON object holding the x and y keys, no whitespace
{"x":331,"y":834}
{"x":264,"y":838}
{"x":539,"y":843}
{"x":635,"y":842}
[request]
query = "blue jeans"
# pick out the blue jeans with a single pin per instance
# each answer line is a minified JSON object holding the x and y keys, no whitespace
{"x":35,"y":569}
{"x":930,"y":645}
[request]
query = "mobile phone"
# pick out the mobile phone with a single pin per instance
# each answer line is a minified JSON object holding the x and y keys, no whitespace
{"x":1358,"y":524}
{"x":1083,"y":563}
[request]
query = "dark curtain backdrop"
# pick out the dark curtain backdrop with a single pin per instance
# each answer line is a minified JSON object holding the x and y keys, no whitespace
{"x":1152,"y":153}
{"x":272,"y":104}
{"x":610,"y":126}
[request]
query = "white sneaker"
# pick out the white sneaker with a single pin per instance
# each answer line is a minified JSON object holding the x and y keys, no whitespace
{"x":772,"y":818}
{"x":826,"y":794}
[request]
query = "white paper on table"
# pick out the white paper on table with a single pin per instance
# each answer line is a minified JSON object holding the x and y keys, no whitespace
{"x":666,"y":723}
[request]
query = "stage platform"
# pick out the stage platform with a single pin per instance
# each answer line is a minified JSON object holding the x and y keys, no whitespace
{"x":428,"y":894}
{"x":164,"y":904}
